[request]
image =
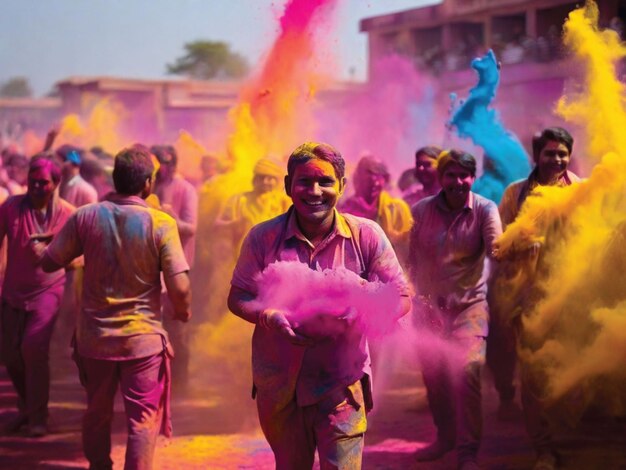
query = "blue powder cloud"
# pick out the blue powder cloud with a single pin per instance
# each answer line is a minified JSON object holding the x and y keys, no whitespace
{"x":506,"y":160}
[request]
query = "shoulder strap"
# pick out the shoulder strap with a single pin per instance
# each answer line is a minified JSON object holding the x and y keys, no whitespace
{"x":356,"y":237}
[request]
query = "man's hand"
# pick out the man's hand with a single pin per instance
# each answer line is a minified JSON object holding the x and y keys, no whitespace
{"x":39,"y":242}
{"x":51,"y":137}
{"x":277,"y":321}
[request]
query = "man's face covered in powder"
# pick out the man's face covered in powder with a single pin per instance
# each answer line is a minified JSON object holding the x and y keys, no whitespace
{"x":456,"y":182}
{"x":314,"y":189}
{"x":553,"y":160}
{"x":264,"y":183}
{"x":372,"y":184}
{"x":40,"y":184}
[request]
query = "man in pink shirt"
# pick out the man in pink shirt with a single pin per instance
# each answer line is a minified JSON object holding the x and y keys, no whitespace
{"x":178,"y":198}
{"x":30,"y":296}
{"x":372,"y":201}
{"x":312,"y":394}
{"x":120,"y":339}
{"x":74,"y":188}
{"x":452,"y":234}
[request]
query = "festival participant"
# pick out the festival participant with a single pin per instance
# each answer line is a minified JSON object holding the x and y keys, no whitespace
{"x":552,"y":150}
{"x":312,"y":394}
{"x":95,"y":173}
{"x":370,"y":200}
{"x":265,"y":201}
{"x":209,"y":167}
{"x":30,"y":296}
{"x":73,"y":187}
{"x":17,"y":167}
{"x":179,"y":199}
{"x":120,"y":338}
{"x":451,"y":236}
{"x":426,"y":174}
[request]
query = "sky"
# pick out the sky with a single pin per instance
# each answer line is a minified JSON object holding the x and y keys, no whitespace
{"x":50,"y":40}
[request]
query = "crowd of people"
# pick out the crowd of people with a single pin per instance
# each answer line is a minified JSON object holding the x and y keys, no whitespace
{"x":124,"y":244}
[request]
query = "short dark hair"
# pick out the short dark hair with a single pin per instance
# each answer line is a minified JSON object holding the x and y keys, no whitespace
{"x":64,"y":151}
{"x":165,"y":154}
{"x":47,"y":161}
{"x":557,"y":134}
{"x":431,"y":151}
{"x":320,"y":151}
{"x":461,"y":158}
{"x":133,"y":166}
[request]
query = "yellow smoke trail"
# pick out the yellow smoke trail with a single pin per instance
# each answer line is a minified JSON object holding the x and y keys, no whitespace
{"x":190,"y":152}
{"x":273,"y":116}
{"x":573,"y":333}
{"x":102,"y":127}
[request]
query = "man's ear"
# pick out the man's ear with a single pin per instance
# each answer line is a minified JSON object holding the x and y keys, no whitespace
{"x":288,"y":185}
{"x":147,"y":186}
{"x":342,"y":185}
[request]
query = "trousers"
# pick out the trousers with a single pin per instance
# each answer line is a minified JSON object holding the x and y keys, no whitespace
{"x":335,"y":426}
{"x":26,"y":338}
{"x":143,"y":384}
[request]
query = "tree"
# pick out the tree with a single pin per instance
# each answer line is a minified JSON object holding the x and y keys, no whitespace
{"x":16,"y":87}
{"x":204,"y":60}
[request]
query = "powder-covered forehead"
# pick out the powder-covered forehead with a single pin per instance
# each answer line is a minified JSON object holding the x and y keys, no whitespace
{"x":316,"y":167}
{"x":38,"y":164}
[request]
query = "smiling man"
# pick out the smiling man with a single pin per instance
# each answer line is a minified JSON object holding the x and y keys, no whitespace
{"x":372,"y":201}
{"x":30,"y":296}
{"x":552,"y":151}
{"x":453,"y":232}
{"x":313,"y":393}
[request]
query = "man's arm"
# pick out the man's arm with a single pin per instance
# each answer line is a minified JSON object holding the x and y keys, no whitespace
{"x":48,"y":264}
{"x":179,"y":292}
{"x":187,"y":220}
{"x":492,"y":230}
{"x":58,"y":251}
{"x":239,"y":302}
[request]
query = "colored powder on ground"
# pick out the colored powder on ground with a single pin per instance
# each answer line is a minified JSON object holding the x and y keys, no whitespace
{"x":506,"y":160}
{"x":575,"y":335}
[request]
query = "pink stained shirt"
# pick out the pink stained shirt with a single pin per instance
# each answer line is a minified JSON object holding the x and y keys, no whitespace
{"x":25,"y":281}
{"x":311,"y":373}
{"x":78,"y":192}
{"x":183,"y":197}
{"x":447,"y":252}
{"x":126,"y":245}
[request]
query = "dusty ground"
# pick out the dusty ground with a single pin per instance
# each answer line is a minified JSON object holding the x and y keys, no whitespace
{"x":219,"y":430}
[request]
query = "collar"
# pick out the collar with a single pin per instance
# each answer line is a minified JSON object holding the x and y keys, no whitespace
{"x":123,"y":200}
{"x":340,"y":226}
{"x":440,"y":199}
{"x":52,"y":203}
{"x":564,"y":180}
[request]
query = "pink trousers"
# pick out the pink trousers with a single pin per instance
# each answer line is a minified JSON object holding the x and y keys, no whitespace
{"x":25,"y":351}
{"x":144,"y":385}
